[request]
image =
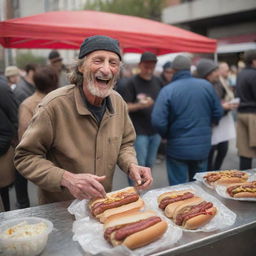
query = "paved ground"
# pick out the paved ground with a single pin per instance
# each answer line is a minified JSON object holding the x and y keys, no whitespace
{"x":159,"y":175}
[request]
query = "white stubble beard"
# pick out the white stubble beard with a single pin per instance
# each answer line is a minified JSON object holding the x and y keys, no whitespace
{"x":95,"y":91}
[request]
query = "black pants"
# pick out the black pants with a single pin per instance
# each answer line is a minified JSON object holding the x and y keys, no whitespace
{"x":245,"y":163}
{"x":21,"y":189}
{"x":4,"y":192}
{"x":215,"y":162}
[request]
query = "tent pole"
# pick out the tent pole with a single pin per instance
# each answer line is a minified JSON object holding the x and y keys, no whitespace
{"x":215,"y":57}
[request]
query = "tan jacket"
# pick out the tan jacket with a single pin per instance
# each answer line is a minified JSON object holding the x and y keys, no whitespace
{"x":7,"y":170}
{"x":64,"y":135}
{"x":26,"y":111}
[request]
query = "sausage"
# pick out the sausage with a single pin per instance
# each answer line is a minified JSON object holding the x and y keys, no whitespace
{"x":100,"y":207}
{"x":129,"y":229}
{"x":169,"y":200}
{"x":192,"y":212}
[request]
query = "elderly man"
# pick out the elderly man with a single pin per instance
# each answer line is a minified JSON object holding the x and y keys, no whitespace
{"x":81,"y":131}
{"x":183,"y":114}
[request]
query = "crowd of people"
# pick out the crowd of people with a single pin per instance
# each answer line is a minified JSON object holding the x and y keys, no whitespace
{"x":68,"y":136}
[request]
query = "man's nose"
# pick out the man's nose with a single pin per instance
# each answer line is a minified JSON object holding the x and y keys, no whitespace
{"x":105,"y":69}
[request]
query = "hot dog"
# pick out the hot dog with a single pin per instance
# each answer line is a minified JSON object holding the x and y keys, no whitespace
{"x":194,"y":214}
{"x":134,"y":230}
{"x":169,"y":201}
{"x":225,"y":177}
{"x":247,"y":189}
{"x":124,"y":200}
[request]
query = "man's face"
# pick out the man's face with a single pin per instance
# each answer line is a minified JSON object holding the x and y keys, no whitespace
{"x":147,"y":69}
{"x":213,"y":76}
{"x":224,"y":70}
{"x":100,"y":71}
{"x":168,"y":74}
{"x":14,"y":79}
{"x":57,"y":65}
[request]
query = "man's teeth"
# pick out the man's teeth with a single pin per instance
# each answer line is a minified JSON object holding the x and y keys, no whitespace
{"x":102,"y":80}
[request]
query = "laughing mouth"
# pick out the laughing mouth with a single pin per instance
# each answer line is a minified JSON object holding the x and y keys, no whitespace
{"x":102,"y":80}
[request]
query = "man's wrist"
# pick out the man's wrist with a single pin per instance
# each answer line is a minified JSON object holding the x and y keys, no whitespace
{"x":65,"y":181}
{"x":130,"y":167}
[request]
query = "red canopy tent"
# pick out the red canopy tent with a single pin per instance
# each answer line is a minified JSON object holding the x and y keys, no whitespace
{"x":67,"y":30}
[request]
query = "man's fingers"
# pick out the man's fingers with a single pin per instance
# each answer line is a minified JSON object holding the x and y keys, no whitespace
{"x":100,"y":178}
{"x":135,"y":176}
{"x":97,"y":186}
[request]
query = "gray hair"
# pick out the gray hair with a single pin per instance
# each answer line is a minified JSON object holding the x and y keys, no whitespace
{"x":75,"y":76}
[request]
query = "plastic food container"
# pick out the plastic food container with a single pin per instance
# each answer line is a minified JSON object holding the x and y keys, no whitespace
{"x":24,"y":236}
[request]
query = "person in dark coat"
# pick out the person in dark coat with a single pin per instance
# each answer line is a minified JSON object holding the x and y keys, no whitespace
{"x":140,"y":93}
{"x":24,"y":89}
{"x":246,"y":114}
{"x":8,"y":129}
{"x":56,"y":63}
{"x":225,"y":130}
{"x":183,"y":114}
{"x":167,"y":74}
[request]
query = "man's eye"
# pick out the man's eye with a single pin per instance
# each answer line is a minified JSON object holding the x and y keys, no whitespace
{"x":97,"y":61}
{"x":114,"y":63}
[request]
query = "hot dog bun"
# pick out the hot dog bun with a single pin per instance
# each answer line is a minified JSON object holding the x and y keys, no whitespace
{"x":128,"y":208}
{"x":138,"y":238}
{"x":192,"y":202}
{"x":115,"y":202}
{"x":170,"y":208}
{"x":172,"y":199}
{"x":228,"y":181}
{"x":246,"y":190}
{"x":225,"y":177}
{"x":200,"y":220}
{"x":113,"y":194}
{"x":172,"y":194}
{"x":197,"y":221}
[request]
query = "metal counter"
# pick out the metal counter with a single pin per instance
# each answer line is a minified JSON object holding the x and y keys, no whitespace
{"x":60,"y":240}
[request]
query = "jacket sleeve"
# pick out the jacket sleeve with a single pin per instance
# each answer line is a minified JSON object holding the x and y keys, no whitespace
{"x":160,"y":114}
{"x":9,"y":105}
{"x":251,"y":81}
{"x":25,"y":116}
{"x":8,"y":117}
{"x":217,"y":109}
{"x":127,"y":154}
{"x":30,"y":156}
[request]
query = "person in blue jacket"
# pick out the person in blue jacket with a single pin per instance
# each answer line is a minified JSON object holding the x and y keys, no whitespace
{"x":184,"y":113}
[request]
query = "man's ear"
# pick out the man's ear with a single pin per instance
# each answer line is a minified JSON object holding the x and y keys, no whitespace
{"x":80,"y":68}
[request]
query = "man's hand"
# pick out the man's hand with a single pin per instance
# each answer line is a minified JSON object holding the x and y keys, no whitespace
{"x":229,"y":106}
{"x":84,"y":186}
{"x":141,"y":176}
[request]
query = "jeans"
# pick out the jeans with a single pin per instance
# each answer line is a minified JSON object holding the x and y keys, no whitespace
{"x":181,"y":171}
{"x":245,"y":163}
{"x":146,"y":147}
{"x":21,"y":189}
{"x":4,"y":192}
{"x":215,"y":162}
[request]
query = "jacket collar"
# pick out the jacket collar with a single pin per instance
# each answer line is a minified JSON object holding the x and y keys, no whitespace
{"x":81,"y":102}
{"x":181,"y":75}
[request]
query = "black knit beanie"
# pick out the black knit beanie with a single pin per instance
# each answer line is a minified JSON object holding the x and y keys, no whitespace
{"x":96,"y":43}
{"x":205,"y":67}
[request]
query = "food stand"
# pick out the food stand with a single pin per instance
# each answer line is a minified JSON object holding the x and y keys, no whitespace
{"x":239,"y":239}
